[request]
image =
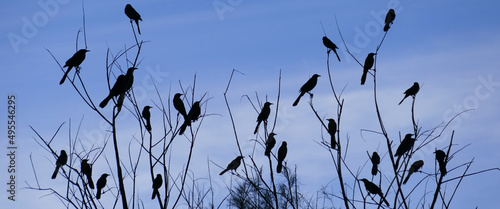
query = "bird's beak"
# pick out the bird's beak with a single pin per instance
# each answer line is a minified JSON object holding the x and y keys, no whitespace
{"x":87,"y":50}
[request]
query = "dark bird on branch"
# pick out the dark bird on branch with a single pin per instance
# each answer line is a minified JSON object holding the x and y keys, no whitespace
{"x":389,"y":18}
{"x":87,"y":171}
{"x":307,"y":87}
{"x":147,"y":115}
{"x":133,"y":15}
{"x":157,"y":182}
{"x":332,"y":130}
{"x":233,"y":165}
{"x":271,"y":141}
{"x":412,"y":91}
{"x":375,"y":158}
{"x":414,"y":168}
{"x":192,"y":116}
{"x":101,"y":183}
{"x":374,"y":189}
{"x":440,"y":157}
{"x":368,"y":65}
{"x":404,"y":147}
{"x":122,"y":85}
{"x":179,"y":105}
{"x":263,"y":115}
{"x":75,"y":61}
{"x":61,"y":160}
{"x":281,"y":156}
{"x":331,"y":46}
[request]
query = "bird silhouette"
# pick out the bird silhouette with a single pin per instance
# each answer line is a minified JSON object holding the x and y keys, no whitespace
{"x":87,"y":171}
{"x":332,"y":130}
{"x":441,"y":158}
{"x":263,"y":115}
{"x":375,"y":158}
{"x":374,"y":189}
{"x":179,"y":105}
{"x":307,"y":87}
{"x":368,"y":65}
{"x":122,"y":85}
{"x":404,"y":147}
{"x":75,"y":61}
{"x":101,"y":183}
{"x":133,"y":15}
{"x":282,"y":151}
{"x":233,"y":165}
{"x":61,"y":160}
{"x":192,"y":116}
{"x":271,"y":141}
{"x":389,"y":18}
{"x":412,"y":91}
{"x":157,"y":182}
{"x":331,"y":46}
{"x":414,"y":168}
{"x":147,"y":115}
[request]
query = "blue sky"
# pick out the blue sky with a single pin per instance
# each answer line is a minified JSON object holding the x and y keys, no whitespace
{"x":450,"y":47}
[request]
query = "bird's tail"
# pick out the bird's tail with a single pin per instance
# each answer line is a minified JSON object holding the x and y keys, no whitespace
{"x":257,"y":127}
{"x":298,"y":99}
{"x":333,"y":142}
{"x":363,"y":77}
{"x":54,"y":175}
{"x":267,"y":152}
{"x":442,"y":168}
{"x":105,"y":101}
{"x":148,"y":125}
{"x":403,"y":100}
{"x":155,"y":193}
{"x":383,"y":198}
{"x":91,"y":183}
{"x":279,"y":167}
{"x":337,"y":55}
{"x":374,"y":169}
{"x":386,"y":27}
{"x":407,"y":177}
{"x":98,"y":194}
{"x":65,"y":75}
{"x":138,"y":28}
{"x":224,"y":171}
{"x":184,"y":126}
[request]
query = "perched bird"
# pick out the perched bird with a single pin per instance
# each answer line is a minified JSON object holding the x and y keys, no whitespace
{"x":179,"y":105}
{"x":414,"y":168}
{"x":412,"y":91}
{"x":101,"y":183}
{"x":368,"y":65}
{"x":133,"y":15}
{"x":271,"y":141}
{"x":157,"y":182}
{"x":332,"y":130}
{"x":192,"y":116}
{"x":74,"y":61}
{"x":233,"y":165}
{"x":389,"y":18}
{"x":61,"y":160}
{"x":440,"y":157}
{"x":331,"y":46}
{"x":147,"y":115}
{"x":263,"y":115}
{"x":122,"y":85}
{"x":87,"y":171}
{"x":375,"y":161}
{"x":281,"y":156}
{"x":307,"y":87}
{"x":374,"y":189}
{"x":405,"y":145}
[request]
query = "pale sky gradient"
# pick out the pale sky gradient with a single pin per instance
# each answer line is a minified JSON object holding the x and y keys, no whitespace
{"x":450,"y":47}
